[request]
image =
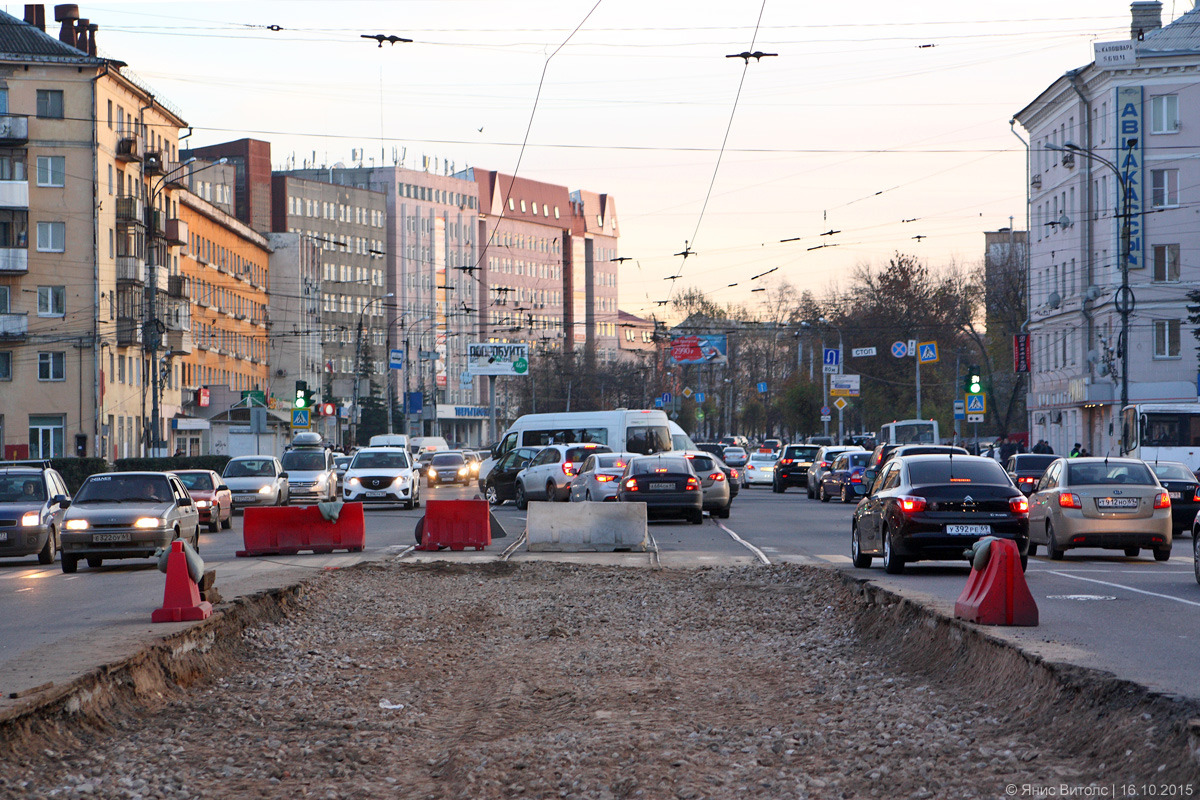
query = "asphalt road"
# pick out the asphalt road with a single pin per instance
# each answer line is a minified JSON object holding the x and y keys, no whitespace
{"x":1134,"y":617}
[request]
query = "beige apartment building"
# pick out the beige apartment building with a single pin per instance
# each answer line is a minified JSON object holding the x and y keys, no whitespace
{"x":88,"y":242}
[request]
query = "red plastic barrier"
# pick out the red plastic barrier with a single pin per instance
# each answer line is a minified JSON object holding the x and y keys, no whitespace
{"x":456,"y":524}
{"x":181,"y":596}
{"x":286,"y":530}
{"x":998,"y":595}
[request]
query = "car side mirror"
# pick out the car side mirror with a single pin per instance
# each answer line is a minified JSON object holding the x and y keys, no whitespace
{"x":223,"y":488}
{"x":185,"y":501}
{"x":62,"y":501}
{"x":283,"y":474}
{"x":869,"y":477}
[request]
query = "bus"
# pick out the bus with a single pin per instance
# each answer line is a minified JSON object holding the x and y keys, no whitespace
{"x":909,"y":431}
{"x":1163,"y":432}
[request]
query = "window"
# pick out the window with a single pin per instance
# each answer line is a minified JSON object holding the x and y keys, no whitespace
{"x":1164,"y":188}
{"x":52,"y":301}
{"x":6,"y":365}
{"x":51,"y":237}
{"x":1166,"y":338}
{"x":52,"y":170}
{"x":52,"y":366}
{"x":50,"y":103}
{"x":1164,"y":113}
{"x":45,"y":436}
{"x":1166,"y":262}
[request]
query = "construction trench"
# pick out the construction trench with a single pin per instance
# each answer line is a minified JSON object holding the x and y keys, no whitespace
{"x":498,"y":680}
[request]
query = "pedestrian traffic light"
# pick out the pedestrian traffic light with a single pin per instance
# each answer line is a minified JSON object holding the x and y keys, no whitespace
{"x":974,"y":381}
{"x":328,"y":410}
{"x":301,"y":400}
{"x":310,"y":399}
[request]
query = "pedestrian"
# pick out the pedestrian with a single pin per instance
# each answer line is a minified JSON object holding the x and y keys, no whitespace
{"x":179,"y":452}
{"x":1084,"y":453}
{"x":1007,"y":448}
{"x":1075,"y":450}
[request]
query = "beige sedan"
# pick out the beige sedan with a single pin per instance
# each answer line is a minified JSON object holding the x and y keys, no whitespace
{"x":1114,"y":503}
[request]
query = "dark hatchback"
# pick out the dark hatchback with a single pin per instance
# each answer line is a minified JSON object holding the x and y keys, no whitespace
{"x":935,"y":507}
{"x":667,"y":484}
{"x":792,"y":467}
{"x":1026,"y":469}
{"x":501,"y":482}
{"x":844,"y":480}
{"x":1181,"y":484}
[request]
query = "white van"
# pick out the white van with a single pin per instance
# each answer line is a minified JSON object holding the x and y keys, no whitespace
{"x":623,"y":430}
{"x":426,"y":444}
{"x":389,"y":440}
{"x":679,"y":438}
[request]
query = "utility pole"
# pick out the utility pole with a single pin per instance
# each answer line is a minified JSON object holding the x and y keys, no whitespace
{"x":917,"y":356}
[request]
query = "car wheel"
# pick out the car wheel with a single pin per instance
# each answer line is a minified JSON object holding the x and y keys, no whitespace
{"x":227,"y":523}
{"x":808,"y":488}
{"x":490,"y":493}
{"x":521,"y":502}
{"x":46,"y":554}
{"x":1032,"y":548}
{"x":845,"y":495}
{"x":822,"y":494}
{"x":1051,"y":545}
{"x":95,"y":562}
{"x":724,"y":512}
{"x":860,"y":559}
{"x":1132,"y":552}
{"x":1024,"y":562}
{"x":777,"y":487}
{"x":71,"y":563}
{"x":1162,"y":554}
{"x":697,"y":517}
{"x":892,"y":563}
{"x":551,"y":491}
{"x":213,"y":526}
{"x":1195,"y":555}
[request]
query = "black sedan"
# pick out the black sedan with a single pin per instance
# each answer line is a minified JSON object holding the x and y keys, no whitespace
{"x":935,"y":507}
{"x":1182,"y":486}
{"x":501,"y":481}
{"x":666,"y":483}
{"x":1026,"y":469}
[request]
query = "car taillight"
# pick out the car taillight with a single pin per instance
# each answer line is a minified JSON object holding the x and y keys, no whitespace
{"x":717,"y":476}
{"x":631,"y":485}
{"x":1026,"y":479}
{"x":1018,"y":505}
{"x":824,"y":465}
{"x":1163,"y":500}
{"x":692,"y":483}
{"x":911,"y":505}
{"x":1069,"y":500}
{"x":733,"y":473}
{"x":856,"y":478}
{"x":1196,"y":496}
{"x":606,"y":478}
{"x":751,"y":466}
{"x":785,"y":461}
{"x":568,"y":468}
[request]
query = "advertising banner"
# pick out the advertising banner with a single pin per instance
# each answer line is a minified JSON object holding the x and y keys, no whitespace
{"x":1021,"y":352}
{"x":498,"y":359}
{"x":699,"y":349}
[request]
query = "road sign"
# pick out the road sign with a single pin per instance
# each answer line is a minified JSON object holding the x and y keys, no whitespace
{"x":825,"y":418}
{"x":974,"y":417}
{"x":666,"y":398}
{"x":912,"y":347}
{"x":844,"y":385}
{"x":928,"y":354}
{"x":832,"y":361}
{"x":899,"y":349}
{"x":396,"y":359}
{"x":300,"y":418}
{"x":825,"y":412}
{"x":862,"y":352}
{"x":687,"y":391}
{"x":840,"y":403}
{"x":257,"y":397}
{"x":960,"y":409}
{"x":762,"y":387}
{"x":699,"y":397}
{"x":658,"y":403}
{"x":976,"y":404}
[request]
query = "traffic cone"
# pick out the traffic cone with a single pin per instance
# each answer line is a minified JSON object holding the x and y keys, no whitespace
{"x":181,"y":596}
{"x":996,"y":592}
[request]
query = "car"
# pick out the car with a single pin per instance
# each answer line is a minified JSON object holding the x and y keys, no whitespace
{"x":774,"y":445}
{"x":821,"y":441}
{"x":1182,"y":487}
{"x":735,"y":456}
{"x":256,"y":481}
{"x":792,"y":467}
{"x":548,"y":476}
{"x":844,"y":479}
{"x":1026,"y":469}
{"x":924,"y":450}
{"x":1112,"y":503}
{"x":384,"y":474}
{"x":714,"y":448}
{"x":596,"y":479}
{"x":340,"y":464}
{"x":32,"y":494}
{"x":447,"y":467}
{"x":214,"y":500}
{"x":499,"y":485}
{"x":127,"y":515}
{"x":714,"y":484}
{"x":936,"y":507}
{"x":666,"y":483}
{"x":473,"y":461}
{"x":312,"y":474}
{"x":389,"y":440}
{"x":760,"y":469}
{"x":735,"y":441}
{"x":822,"y":461}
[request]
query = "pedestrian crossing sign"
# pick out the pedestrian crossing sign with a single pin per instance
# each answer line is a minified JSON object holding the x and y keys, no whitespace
{"x":927,"y":352}
{"x":976,"y":404}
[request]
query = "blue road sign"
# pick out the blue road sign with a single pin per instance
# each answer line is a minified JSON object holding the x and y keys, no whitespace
{"x":762,"y":385}
{"x":960,"y":411}
{"x":927,"y":352}
{"x":825,"y":412}
{"x":976,"y":404}
{"x":300,"y":417}
{"x":396,"y":359}
{"x":899,"y":349}
{"x":700,"y":396}
{"x":658,"y":403}
{"x":666,"y":398}
{"x":833,"y":357}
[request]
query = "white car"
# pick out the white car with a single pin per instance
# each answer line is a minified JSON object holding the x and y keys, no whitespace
{"x":596,"y":480}
{"x":760,"y":469}
{"x":256,"y":481}
{"x":548,"y":476}
{"x":382,"y":475}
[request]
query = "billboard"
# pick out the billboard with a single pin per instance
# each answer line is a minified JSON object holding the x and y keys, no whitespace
{"x":700,"y":349}
{"x":490,"y":358}
{"x":844,"y":385}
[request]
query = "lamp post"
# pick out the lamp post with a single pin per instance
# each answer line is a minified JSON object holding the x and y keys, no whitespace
{"x":841,"y":367}
{"x":391,"y":400}
{"x":357,"y":361}
{"x":1124,"y":297}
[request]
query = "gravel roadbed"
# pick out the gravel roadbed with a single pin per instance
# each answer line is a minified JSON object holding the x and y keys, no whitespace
{"x":549,"y":680}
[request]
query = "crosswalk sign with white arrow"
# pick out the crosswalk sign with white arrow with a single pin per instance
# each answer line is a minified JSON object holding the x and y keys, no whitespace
{"x":976,"y":404}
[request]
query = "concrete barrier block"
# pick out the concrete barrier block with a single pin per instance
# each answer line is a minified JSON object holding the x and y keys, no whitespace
{"x":571,"y":527}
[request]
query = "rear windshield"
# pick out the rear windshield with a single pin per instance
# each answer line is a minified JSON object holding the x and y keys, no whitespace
{"x":858,"y":459}
{"x":1100,"y":474}
{"x":577,"y":454}
{"x":1032,"y":462}
{"x":448,"y":460}
{"x":304,"y":460}
{"x":702,"y":463}
{"x":391,"y":460}
{"x":250,"y":468}
{"x":803,"y":453}
{"x":610,"y":462}
{"x":125,"y":488}
{"x":647,"y":440}
{"x":22,"y":488}
{"x":649,"y":466}
{"x":734,"y":451}
{"x":909,"y":450}
{"x":1173,"y":472}
{"x":761,"y":458}
{"x":200,"y":481}
{"x":957,"y":470}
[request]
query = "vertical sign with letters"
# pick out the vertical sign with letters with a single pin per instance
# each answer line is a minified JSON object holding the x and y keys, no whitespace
{"x":1130,"y":124}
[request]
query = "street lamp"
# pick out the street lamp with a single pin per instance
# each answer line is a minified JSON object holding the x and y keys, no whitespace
{"x":841,"y":362}
{"x":403,"y":324}
{"x":358,"y":359}
{"x":1124,"y":296}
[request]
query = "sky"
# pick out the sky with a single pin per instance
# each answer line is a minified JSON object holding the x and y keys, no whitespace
{"x":879,"y":127}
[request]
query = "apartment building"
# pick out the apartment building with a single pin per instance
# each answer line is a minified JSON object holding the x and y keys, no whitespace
{"x":294,"y":311}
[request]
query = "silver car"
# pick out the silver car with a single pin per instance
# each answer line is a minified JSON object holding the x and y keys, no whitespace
{"x":126,"y":515}
{"x":31,"y":510}
{"x":598,"y":477}
{"x":713,"y":482}
{"x":256,"y":481}
{"x":312,"y":474}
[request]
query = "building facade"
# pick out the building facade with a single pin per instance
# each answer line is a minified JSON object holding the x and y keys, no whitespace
{"x":294,"y":313}
{"x":251,"y":163}
{"x":1134,"y":123}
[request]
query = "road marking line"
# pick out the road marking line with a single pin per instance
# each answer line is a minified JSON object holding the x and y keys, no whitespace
{"x":1123,"y":586}
{"x":761,"y":555}
{"x":26,"y":589}
{"x":837,"y":559}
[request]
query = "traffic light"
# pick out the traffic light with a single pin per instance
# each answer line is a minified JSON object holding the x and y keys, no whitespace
{"x":328,"y":410}
{"x":974,"y":381}
{"x":301,"y":400}
{"x":310,"y":399}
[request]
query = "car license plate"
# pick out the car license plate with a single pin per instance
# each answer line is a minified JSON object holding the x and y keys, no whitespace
{"x":969,"y":530}
{"x":109,"y":537}
{"x":376,"y":494}
{"x":661,"y":487}
{"x":1176,"y":495}
{"x":1117,"y":503}
{"x":245,"y":498}
{"x":3,"y":536}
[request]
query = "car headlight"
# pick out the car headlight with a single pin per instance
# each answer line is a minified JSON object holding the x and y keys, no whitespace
{"x":432,"y":472}
{"x":77,"y":525}
{"x":354,"y":481}
{"x":148,"y":522}
{"x":31,"y":518}
{"x":201,"y":504}
{"x":265,"y":490}
{"x":462,"y":470}
{"x":400,"y":480}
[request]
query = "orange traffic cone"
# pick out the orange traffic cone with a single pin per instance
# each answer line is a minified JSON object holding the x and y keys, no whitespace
{"x":181,"y":597}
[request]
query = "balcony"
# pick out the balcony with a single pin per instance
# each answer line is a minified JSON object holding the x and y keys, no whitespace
{"x":1068,"y":159}
{"x":156,"y":221}
{"x":177,"y":232}
{"x":1036,"y":181}
{"x":153,"y":164}
{"x":14,"y":326}
{"x":176,"y":174}
{"x":14,"y":194}
{"x":162,"y":280}
{"x":14,"y":130}
{"x":129,"y":147}
{"x":131,"y":269}
{"x":129,"y":331}
{"x":14,"y":260}
{"x":179,"y":342}
{"x":177,"y":286}
{"x":131,"y":210}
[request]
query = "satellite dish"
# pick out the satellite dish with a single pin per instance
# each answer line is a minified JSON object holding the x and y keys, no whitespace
{"x":1054,"y":301}
{"x":1064,"y":221}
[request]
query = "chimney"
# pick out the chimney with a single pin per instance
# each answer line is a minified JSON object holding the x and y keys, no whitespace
{"x":35,"y":14}
{"x":81,"y":34}
{"x":1147,"y":18}
{"x":66,"y":14}
{"x":91,"y":48}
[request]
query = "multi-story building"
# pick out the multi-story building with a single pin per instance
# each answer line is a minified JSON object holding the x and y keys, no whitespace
{"x":251,"y":162}
{"x":1131,"y":119}
{"x":294,"y":313}
{"x":88,"y":185}
{"x":592,"y":275}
